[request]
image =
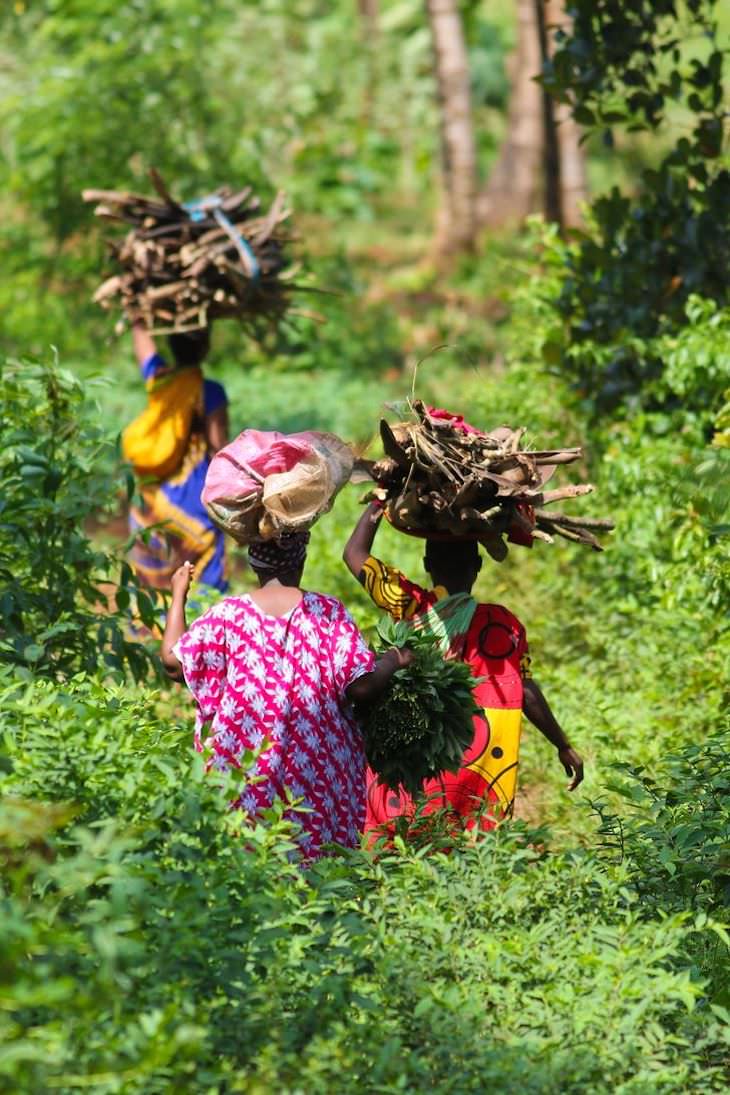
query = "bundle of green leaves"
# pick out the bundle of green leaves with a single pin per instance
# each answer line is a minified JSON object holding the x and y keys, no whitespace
{"x":422,"y":724}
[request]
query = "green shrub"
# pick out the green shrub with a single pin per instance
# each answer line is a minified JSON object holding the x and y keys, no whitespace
{"x":149,"y":944}
{"x":62,"y":599}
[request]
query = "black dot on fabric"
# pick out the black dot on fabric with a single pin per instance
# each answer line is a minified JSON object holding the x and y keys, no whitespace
{"x":497,"y":752}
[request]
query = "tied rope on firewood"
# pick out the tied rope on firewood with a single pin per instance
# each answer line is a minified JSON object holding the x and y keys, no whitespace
{"x":186,"y":264}
{"x":442,"y":478}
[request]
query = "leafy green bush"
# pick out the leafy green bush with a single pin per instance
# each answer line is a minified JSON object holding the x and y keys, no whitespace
{"x":62,"y":600}
{"x":631,"y":275}
{"x":150,"y":945}
{"x":676,"y":830}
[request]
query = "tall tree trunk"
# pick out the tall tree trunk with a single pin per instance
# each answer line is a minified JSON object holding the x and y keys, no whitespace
{"x":369,"y":28}
{"x":515,"y":186}
{"x":552,"y":190}
{"x":456,"y":226}
{"x":573,"y":181}
{"x":541,"y":166}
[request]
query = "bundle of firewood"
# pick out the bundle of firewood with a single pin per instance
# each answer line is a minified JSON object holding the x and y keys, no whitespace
{"x":443,"y":479}
{"x":184,"y":265}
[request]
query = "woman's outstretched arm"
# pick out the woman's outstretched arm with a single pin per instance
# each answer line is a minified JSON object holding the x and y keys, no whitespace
{"x":370,"y":686}
{"x":216,"y":428}
{"x":175,"y":625}
{"x":538,"y":711}
{"x":143,"y":342}
{"x":358,"y":547}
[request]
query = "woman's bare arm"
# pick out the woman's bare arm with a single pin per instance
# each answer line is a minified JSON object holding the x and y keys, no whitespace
{"x":143,"y":342}
{"x":216,"y":429}
{"x":358,"y":547}
{"x":538,"y":711}
{"x":370,"y":686}
{"x":175,"y":625}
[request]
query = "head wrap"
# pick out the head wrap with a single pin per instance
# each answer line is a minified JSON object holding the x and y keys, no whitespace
{"x":280,"y":556}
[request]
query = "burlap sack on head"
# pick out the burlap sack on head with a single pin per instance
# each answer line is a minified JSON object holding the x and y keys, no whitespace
{"x":266,"y":483}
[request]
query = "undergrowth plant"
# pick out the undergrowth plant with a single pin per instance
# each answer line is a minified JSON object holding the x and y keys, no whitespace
{"x":151,"y":943}
{"x":63,"y":600}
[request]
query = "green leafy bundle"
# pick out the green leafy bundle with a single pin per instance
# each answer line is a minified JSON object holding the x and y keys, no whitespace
{"x":422,"y":724}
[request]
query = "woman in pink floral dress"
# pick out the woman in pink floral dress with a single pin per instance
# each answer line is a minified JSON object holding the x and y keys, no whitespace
{"x":281,"y":668}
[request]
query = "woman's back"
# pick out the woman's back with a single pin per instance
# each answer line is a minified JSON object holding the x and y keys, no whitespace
{"x":264,"y":672}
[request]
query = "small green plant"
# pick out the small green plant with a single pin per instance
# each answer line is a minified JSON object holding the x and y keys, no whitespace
{"x":63,"y":600}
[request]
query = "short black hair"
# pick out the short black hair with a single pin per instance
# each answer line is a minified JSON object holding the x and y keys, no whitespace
{"x":191,"y":347}
{"x":451,"y":556}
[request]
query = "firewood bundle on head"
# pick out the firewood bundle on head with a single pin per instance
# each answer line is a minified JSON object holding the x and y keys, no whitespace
{"x":184,"y":265}
{"x":443,"y":479}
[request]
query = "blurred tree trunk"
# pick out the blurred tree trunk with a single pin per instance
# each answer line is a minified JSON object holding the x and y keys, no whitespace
{"x":552,"y":198}
{"x":541,"y":165}
{"x":515,"y":186}
{"x":573,"y":181}
{"x":457,"y":222}
{"x":369,"y":28}
{"x":369,"y":11}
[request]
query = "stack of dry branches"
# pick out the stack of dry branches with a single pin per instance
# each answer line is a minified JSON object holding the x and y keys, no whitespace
{"x":440,"y":480}
{"x":184,"y":265}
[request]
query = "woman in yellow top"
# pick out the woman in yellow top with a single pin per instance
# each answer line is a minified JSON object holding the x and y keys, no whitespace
{"x":171,"y":522}
{"x":492,"y":641}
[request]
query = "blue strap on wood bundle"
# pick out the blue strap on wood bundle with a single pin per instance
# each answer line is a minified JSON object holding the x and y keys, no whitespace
{"x":198,"y":210}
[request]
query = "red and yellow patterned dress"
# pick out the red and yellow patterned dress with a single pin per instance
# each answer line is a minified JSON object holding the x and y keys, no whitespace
{"x":494,"y":645}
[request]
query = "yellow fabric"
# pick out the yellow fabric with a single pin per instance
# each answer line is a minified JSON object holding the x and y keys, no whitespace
{"x":505,"y":725}
{"x":155,"y":443}
{"x":388,"y":589}
{"x":181,"y":537}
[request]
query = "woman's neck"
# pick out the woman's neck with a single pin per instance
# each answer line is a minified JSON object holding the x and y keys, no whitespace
{"x":275,"y":598}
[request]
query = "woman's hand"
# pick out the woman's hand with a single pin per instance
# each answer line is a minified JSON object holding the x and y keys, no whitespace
{"x":370,"y":686}
{"x":573,"y":765}
{"x":175,"y":625}
{"x":404,"y":656}
{"x":180,"y":581}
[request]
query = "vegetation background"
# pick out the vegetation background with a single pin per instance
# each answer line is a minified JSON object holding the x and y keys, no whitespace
{"x":144,"y":946}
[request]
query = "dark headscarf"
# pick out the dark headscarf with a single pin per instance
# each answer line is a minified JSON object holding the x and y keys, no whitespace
{"x":281,"y":556}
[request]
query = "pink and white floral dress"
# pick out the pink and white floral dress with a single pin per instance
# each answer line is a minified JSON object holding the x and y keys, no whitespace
{"x":283,"y":679}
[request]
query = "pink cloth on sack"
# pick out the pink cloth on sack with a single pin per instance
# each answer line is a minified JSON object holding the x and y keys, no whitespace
{"x":263,"y":452}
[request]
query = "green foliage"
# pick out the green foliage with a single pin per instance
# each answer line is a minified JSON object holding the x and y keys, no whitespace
{"x":422,"y":724}
{"x":148,"y":945}
{"x":676,"y":829}
{"x":624,"y":63}
{"x":674,"y":836}
{"x":62,"y":600}
{"x":132,"y":92}
{"x":633,"y":276}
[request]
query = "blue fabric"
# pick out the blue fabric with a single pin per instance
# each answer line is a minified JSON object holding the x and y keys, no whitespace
{"x":184,"y":488}
{"x":186,"y":496}
{"x":153,"y":366}
{"x":214,"y":396}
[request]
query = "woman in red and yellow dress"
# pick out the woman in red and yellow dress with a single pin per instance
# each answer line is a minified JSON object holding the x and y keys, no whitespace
{"x":492,"y":641}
